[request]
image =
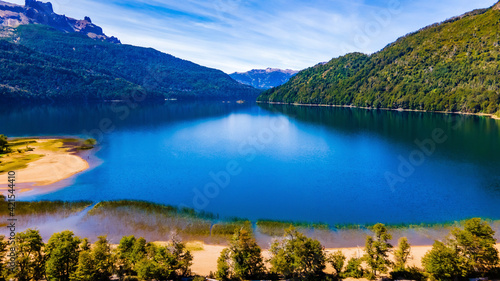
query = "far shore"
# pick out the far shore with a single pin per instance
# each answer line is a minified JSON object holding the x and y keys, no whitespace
{"x":52,"y":160}
{"x":387,"y":109}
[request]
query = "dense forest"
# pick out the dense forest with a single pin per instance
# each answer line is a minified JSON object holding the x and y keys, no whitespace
{"x":451,"y":66}
{"x":39,"y":62}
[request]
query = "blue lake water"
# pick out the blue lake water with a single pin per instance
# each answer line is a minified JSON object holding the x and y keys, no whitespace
{"x":333,"y":165}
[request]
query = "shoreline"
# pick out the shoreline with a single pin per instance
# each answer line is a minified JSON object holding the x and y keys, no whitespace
{"x":492,"y":116}
{"x":59,"y":160}
{"x":205,"y":260}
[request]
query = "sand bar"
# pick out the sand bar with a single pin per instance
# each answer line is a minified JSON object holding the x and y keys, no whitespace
{"x":55,"y":164}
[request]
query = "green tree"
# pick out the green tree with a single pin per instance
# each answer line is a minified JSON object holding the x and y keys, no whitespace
{"x":242,"y":260}
{"x":63,"y":252}
{"x":476,"y":245}
{"x":4,"y":144}
{"x":353,"y":268}
{"x":85,"y":268}
{"x":148,"y":269}
{"x":402,"y":253}
{"x":297,"y":256}
{"x":223,"y":268}
{"x":30,"y":257}
{"x":181,"y":258}
{"x":442,"y":262}
{"x":3,"y":252}
{"x":377,"y":249}
{"x":123,"y":256}
{"x":102,"y":258}
{"x":337,"y":260}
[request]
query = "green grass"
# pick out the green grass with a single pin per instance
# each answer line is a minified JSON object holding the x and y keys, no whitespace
{"x":195,"y":246}
{"x":18,"y":163}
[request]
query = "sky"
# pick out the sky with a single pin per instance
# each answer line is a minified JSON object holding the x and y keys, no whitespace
{"x":240,"y":35}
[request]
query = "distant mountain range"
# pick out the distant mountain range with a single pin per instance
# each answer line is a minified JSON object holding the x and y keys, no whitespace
{"x":45,"y":56}
{"x":452,"y":66}
{"x":264,"y":78}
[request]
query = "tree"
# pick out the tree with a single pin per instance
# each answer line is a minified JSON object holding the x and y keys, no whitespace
{"x":102,"y":259}
{"x":242,"y":260}
{"x":123,"y":256}
{"x":337,"y":261}
{"x":476,"y":245}
{"x":4,"y":144}
{"x":63,"y":253}
{"x":148,"y":261}
{"x":353,"y":268}
{"x":85,"y":269}
{"x":223,"y":268}
{"x":297,"y":256}
{"x":181,"y":258}
{"x":402,"y":254}
{"x":30,"y":257}
{"x":442,"y":262}
{"x":3,"y":251}
{"x":377,"y":249}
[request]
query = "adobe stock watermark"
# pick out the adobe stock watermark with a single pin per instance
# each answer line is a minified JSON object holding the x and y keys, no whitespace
{"x":248,"y":150}
{"x":381,"y":19}
{"x":122,"y":109}
{"x":417,"y":157}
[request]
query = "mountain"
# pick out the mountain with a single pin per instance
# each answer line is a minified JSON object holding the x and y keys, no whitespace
{"x":452,"y":66}
{"x":51,"y":62}
{"x":264,"y":78}
{"x":35,"y":12}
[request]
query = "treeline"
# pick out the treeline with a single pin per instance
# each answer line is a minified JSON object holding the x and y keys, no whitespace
{"x":67,"y":257}
{"x":468,"y":252}
{"x":450,"y":67}
{"x":41,"y":63}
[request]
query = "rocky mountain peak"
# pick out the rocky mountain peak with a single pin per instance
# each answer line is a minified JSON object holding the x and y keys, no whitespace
{"x":38,"y":5}
{"x":37,"y":12}
{"x":497,"y":6}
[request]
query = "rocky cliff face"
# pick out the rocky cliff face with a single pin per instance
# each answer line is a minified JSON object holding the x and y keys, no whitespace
{"x":36,"y":12}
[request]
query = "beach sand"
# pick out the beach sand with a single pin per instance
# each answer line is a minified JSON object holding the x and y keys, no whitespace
{"x":205,"y":261}
{"x":53,"y":167}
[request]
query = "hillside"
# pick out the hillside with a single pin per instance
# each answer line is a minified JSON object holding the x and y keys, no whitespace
{"x":452,"y":66}
{"x":264,"y":78}
{"x":41,"y":62}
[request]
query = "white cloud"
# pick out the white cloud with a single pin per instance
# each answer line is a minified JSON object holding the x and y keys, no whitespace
{"x":238,"y":35}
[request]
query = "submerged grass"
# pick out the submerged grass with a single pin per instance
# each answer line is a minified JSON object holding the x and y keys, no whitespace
{"x":277,"y":228}
{"x":43,"y":207}
{"x":163,"y":220}
{"x":229,"y":228}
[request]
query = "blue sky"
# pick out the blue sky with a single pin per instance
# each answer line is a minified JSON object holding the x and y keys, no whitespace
{"x":239,"y":35}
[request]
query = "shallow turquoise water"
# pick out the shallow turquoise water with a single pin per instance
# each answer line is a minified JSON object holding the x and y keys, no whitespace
{"x":333,"y":165}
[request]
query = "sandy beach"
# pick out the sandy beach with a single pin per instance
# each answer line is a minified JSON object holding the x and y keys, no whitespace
{"x":206,"y":260}
{"x":52,"y":167}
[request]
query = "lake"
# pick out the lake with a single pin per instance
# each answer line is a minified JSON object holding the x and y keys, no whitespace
{"x":281,"y":162}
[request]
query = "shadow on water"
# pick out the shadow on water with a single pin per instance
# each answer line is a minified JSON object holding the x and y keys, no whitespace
{"x":405,"y":127}
{"x":77,"y":119}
